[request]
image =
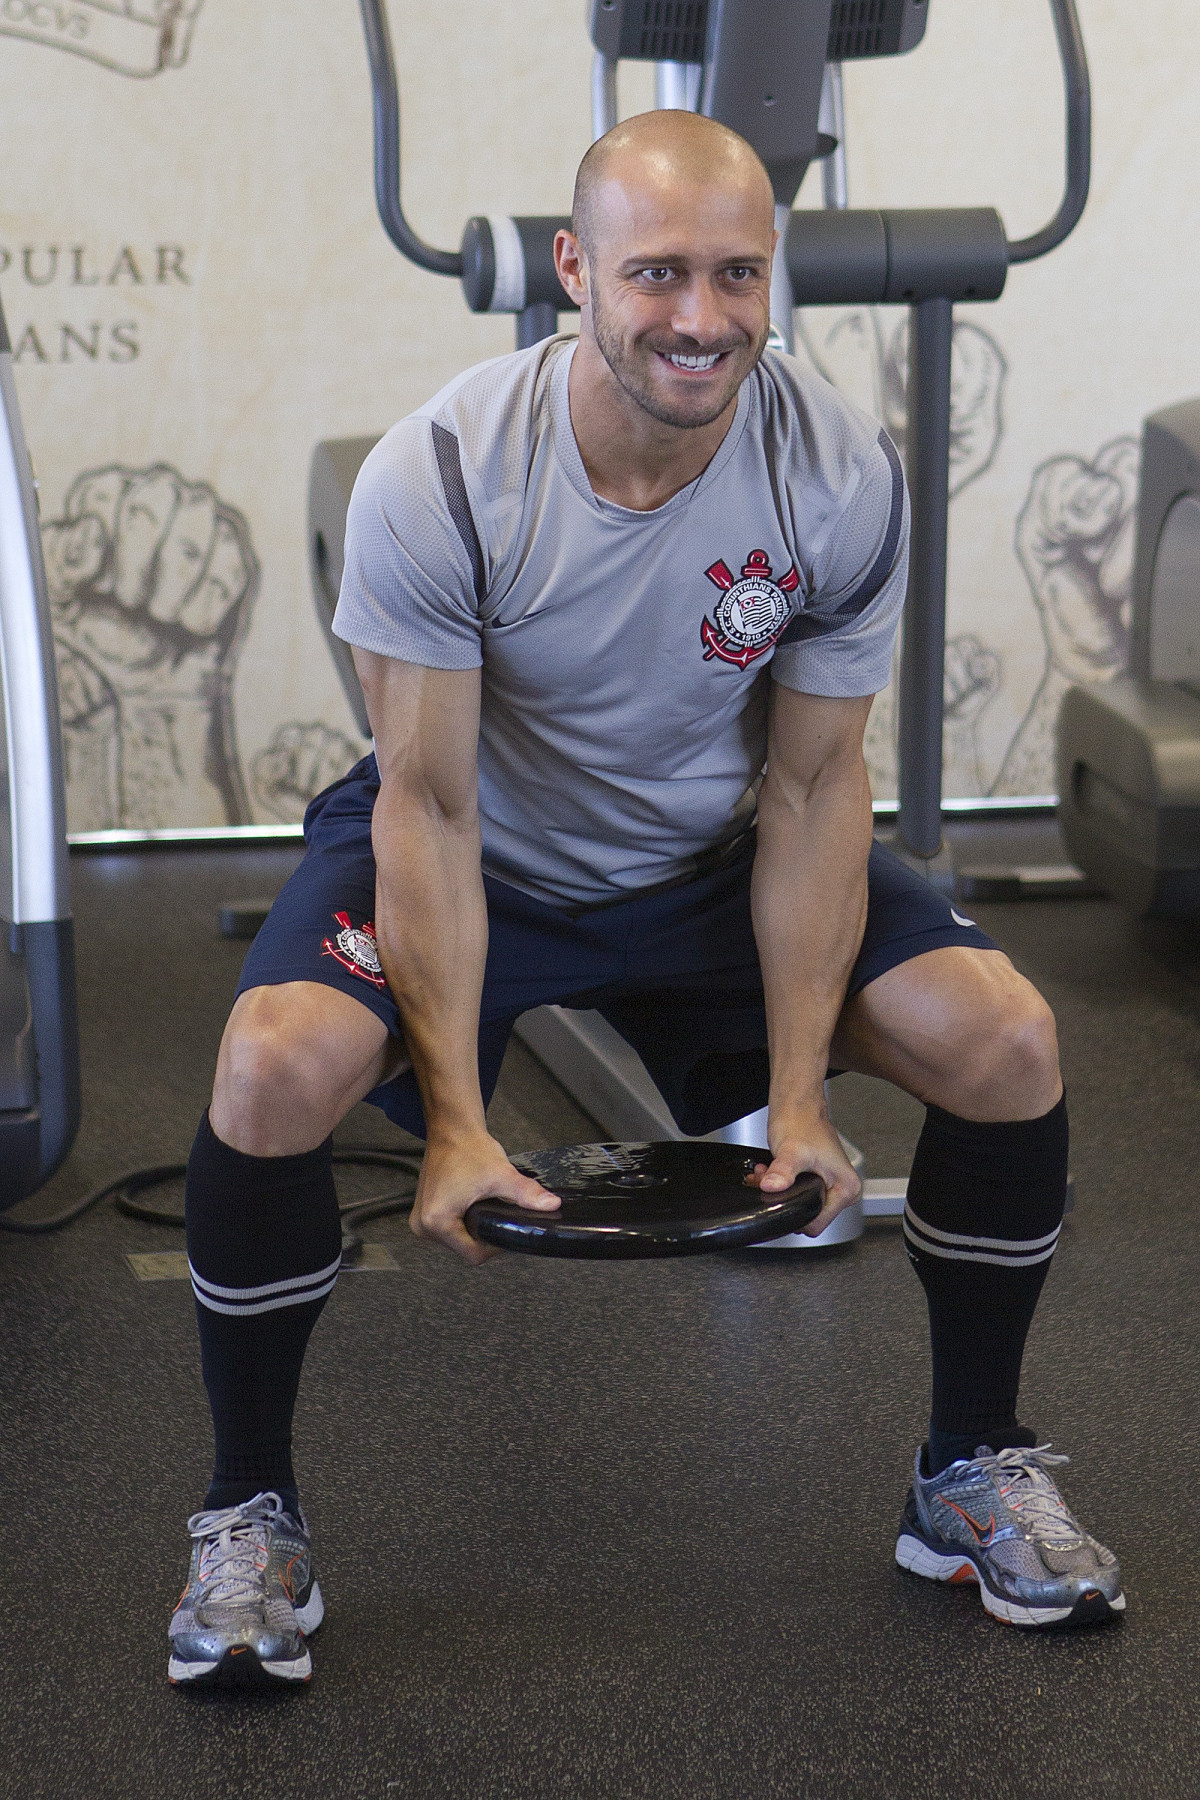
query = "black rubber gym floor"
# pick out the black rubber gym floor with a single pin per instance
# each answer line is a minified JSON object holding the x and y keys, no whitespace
{"x":605,"y":1532}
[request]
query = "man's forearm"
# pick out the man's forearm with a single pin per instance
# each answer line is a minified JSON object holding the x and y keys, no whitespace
{"x":431,"y":923}
{"x":809,"y":901}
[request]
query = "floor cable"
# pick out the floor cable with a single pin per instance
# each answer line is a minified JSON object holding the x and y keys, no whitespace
{"x":124,"y":1189}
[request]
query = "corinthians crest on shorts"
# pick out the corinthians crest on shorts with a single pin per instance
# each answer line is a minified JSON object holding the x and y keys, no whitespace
{"x":751,"y":613}
{"x":355,"y":948}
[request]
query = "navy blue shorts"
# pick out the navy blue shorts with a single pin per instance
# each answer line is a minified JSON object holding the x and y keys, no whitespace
{"x":674,"y":970}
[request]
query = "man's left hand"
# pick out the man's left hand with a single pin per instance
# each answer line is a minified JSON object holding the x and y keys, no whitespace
{"x":803,"y":1145}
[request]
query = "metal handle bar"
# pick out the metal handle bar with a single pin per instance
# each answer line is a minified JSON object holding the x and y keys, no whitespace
{"x":1079,"y":138}
{"x":386,"y":100}
{"x":387,"y":148}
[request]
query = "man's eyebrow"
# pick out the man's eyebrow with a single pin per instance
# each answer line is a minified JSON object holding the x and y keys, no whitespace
{"x":678,"y":259}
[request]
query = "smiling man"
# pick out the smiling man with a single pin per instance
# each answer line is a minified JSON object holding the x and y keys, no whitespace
{"x":594,"y":588}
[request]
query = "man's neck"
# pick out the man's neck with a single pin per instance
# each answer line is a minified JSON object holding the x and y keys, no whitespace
{"x":629,"y":457}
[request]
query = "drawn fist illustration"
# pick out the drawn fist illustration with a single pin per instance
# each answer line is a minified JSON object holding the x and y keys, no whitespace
{"x":977,"y":372}
{"x":132,"y":37}
{"x":297,"y":764}
{"x":848,"y":348}
{"x":973,"y":677}
{"x":151,"y":582}
{"x":1074,"y":540}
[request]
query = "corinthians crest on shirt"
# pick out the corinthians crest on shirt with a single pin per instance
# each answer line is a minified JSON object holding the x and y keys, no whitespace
{"x":355,"y":948}
{"x":751,"y":613}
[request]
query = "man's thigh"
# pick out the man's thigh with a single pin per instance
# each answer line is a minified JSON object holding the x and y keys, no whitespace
{"x":958,"y":1028}
{"x":935,"y":1007}
{"x":313,"y":971}
{"x":695,"y":1011}
{"x":319,"y":938}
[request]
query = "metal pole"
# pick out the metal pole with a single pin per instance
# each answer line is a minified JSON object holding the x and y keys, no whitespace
{"x":386,"y":96}
{"x":535,"y":323}
{"x":832,"y":119}
{"x":677,"y":86}
{"x":604,"y":95}
{"x":923,"y":646}
{"x":783,"y":306}
{"x":1078,"y":94}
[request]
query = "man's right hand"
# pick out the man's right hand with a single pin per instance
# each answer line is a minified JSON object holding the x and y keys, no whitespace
{"x":454,"y":1174}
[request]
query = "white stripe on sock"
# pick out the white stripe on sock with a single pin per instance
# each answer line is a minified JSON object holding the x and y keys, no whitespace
{"x":270,"y":1287}
{"x":264,"y":1306}
{"x":981,"y":1243}
{"x":978,"y":1256}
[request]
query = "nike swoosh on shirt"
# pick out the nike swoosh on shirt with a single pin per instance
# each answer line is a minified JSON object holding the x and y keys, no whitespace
{"x":959,"y":920}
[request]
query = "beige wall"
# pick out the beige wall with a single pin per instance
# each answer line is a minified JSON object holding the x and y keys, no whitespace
{"x":223,"y":297}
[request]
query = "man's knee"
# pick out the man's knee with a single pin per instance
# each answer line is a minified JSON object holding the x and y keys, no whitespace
{"x":278,"y":1090}
{"x":1003,"y":1061}
{"x":260,"y":1055}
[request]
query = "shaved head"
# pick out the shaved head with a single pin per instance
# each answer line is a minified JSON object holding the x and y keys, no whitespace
{"x":669,"y":261}
{"x":654,"y":155}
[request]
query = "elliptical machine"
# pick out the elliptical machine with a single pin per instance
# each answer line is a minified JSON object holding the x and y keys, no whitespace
{"x":771,"y":70}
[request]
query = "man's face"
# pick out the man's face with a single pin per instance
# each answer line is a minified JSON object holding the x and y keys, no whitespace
{"x":679,"y":292}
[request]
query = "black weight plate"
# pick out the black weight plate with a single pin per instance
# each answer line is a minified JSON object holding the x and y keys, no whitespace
{"x":627,"y":1200}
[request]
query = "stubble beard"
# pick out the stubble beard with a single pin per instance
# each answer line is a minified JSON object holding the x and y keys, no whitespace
{"x":633,"y":376}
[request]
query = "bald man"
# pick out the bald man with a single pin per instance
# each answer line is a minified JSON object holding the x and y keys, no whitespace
{"x":593,"y":589}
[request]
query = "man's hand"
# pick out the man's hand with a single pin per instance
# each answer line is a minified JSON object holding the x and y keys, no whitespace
{"x":456,"y":1174}
{"x":808,"y":1144}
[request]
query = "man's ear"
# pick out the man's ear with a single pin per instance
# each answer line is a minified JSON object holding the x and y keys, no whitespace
{"x":571,"y":265}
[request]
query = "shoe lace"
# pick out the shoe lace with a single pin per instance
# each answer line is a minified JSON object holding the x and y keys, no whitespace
{"x":236,"y":1544}
{"x":1029,"y":1490}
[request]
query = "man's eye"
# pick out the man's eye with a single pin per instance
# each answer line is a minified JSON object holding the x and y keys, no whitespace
{"x":657,"y":276}
{"x":740,"y":272}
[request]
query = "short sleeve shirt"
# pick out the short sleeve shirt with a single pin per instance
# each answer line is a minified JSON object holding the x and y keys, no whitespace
{"x":625,"y":655}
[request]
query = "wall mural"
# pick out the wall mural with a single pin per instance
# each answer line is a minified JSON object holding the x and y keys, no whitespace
{"x":298,"y":762}
{"x":152,"y":580}
{"x":850,"y":348}
{"x":1073,"y":539}
{"x":853,"y":349}
{"x":195,"y":293}
{"x":134,"y":37}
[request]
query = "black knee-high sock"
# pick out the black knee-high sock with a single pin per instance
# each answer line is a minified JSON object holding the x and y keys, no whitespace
{"x":985,"y":1206}
{"x":264,"y":1245}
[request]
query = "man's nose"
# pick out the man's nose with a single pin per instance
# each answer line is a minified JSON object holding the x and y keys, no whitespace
{"x":700,"y":314}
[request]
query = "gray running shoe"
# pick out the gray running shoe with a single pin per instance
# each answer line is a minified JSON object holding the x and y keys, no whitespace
{"x":1000,"y":1521}
{"x":251,"y":1598}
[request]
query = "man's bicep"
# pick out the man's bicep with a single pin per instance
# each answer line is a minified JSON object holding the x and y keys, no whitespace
{"x":811,"y":734}
{"x":426,"y":728}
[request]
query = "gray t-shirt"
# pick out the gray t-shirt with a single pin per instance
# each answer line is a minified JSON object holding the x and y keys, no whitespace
{"x":625,"y":654}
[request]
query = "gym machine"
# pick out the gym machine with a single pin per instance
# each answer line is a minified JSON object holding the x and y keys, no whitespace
{"x":1129,"y":749}
{"x":39,"y":1035}
{"x":771,"y":70}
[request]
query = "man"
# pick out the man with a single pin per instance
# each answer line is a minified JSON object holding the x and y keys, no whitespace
{"x":592,"y":589}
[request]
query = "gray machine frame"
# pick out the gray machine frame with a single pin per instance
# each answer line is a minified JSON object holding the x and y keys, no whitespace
{"x":1129,"y":749}
{"x":39,"y":1036}
{"x":771,"y":69}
